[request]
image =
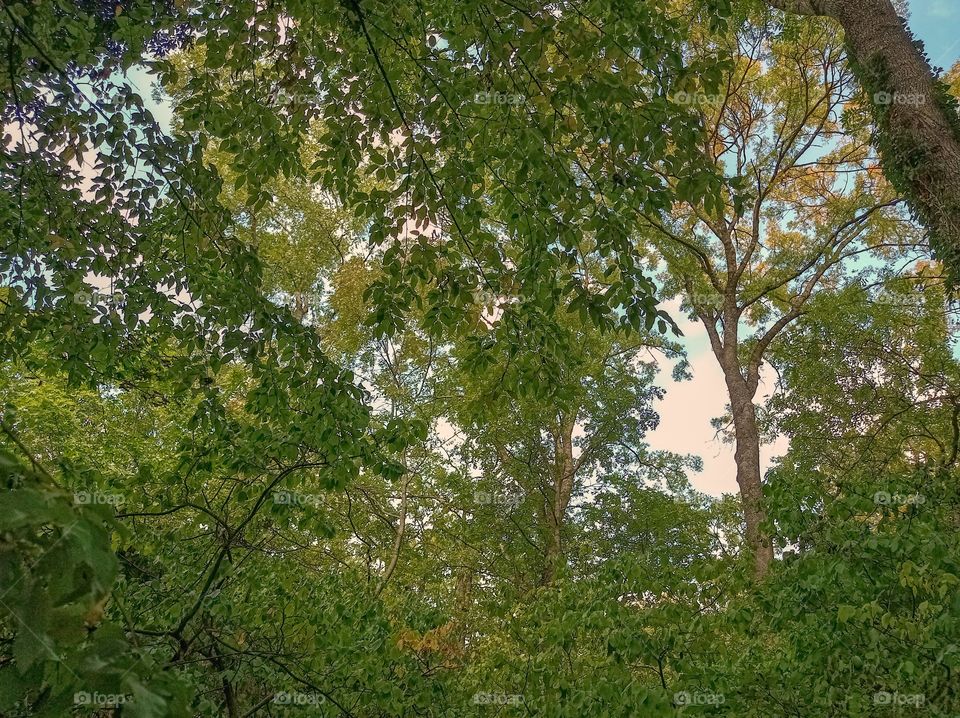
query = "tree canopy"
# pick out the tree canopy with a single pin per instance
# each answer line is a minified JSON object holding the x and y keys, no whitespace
{"x":334,"y":339}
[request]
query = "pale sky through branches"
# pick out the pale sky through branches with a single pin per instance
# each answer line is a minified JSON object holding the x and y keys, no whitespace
{"x":687,"y":410}
{"x":688,"y":407}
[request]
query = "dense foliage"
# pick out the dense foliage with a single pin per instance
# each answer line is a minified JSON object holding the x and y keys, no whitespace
{"x":332,"y":393}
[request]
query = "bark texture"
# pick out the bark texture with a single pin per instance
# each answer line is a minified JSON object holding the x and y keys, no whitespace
{"x":558,"y":499}
{"x":741,"y":388}
{"x":919,"y":130}
{"x":749,"y":477}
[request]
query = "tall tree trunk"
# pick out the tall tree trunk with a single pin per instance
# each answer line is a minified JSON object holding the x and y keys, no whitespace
{"x":229,"y":695}
{"x":553,"y":550}
{"x":398,"y":537}
{"x":919,"y":137}
{"x":749,"y":478}
{"x":559,"y":499}
{"x":300,"y":307}
{"x":463,"y":597}
{"x":741,"y":390}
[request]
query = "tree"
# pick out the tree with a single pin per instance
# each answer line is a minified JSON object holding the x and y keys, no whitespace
{"x":865,"y":500}
{"x":806,"y":202}
{"x":335,"y":398}
{"x":541,"y":454}
{"x":917,"y":123}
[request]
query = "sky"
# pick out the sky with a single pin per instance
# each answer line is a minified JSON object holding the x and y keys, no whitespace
{"x":937,"y":24}
{"x":688,"y":407}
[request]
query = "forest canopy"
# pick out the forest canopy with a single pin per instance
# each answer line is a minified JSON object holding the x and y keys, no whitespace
{"x":334,"y":336}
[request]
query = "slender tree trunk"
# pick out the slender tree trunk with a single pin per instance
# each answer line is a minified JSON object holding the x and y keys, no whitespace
{"x":461,"y":606}
{"x":229,"y":695}
{"x":552,"y":551}
{"x":920,"y":142}
{"x":300,"y":308}
{"x":464,"y":590}
{"x":556,"y":508}
{"x":398,"y":537}
{"x":749,"y":478}
{"x":740,"y":391}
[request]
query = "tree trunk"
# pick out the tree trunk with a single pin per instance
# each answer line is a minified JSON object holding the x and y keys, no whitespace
{"x":552,"y":551}
{"x":461,"y":605}
{"x":398,"y":537}
{"x":556,"y":508}
{"x":919,"y":136}
{"x":741,"y":390}
{"x":229,"y":695}
{"x":300,"y":309}
{"x":749,"y":478}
